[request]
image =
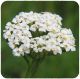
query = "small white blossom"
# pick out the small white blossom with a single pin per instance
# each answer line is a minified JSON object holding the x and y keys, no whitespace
{"x":11,"y":45}
{"x":16,"y":52}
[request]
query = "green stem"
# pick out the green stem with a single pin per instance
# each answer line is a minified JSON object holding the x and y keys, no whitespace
{"x":32,"y":68}
{"x":33,"y":65}
{"x":26,"y":59}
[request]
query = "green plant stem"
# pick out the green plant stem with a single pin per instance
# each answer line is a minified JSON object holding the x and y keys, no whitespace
{"x":33,"y":65}
{"x":32,"y":68}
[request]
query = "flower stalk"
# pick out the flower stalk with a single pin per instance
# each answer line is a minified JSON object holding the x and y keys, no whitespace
{"x":33,"y":64}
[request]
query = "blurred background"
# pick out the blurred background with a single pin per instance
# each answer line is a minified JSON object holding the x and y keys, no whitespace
{"x":60,"y":66}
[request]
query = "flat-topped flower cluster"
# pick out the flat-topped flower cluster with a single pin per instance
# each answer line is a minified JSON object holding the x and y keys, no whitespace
{"x":38,"y":31}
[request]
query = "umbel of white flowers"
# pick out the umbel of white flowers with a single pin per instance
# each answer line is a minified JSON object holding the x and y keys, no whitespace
{"x":38,"y":31}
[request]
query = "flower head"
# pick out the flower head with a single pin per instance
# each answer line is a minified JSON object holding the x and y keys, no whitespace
{"x":39,"y":32}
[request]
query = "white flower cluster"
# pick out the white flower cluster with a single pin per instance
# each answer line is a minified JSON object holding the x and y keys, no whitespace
{"x":38,"y":31}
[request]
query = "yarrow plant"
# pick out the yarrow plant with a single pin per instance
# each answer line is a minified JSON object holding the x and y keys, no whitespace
{"x":37,"y":35}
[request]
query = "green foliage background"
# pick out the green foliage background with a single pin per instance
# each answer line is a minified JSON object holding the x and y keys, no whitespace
{"x":65,"y":65}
